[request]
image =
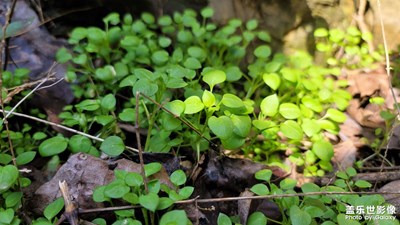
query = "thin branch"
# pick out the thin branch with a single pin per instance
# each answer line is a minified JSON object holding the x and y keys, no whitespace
{"x":139,"y":143}
{"x":227,"y":199}
{"x":64,"y":128}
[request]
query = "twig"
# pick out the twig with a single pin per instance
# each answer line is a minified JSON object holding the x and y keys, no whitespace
{"x":139,"y":143}
{"x":361,"y":23}
{"x":63,"y":127}
{"x":396,"y":105}
{"x":31,"y":92}
{"x":71,"y":211}
{"x":3,"y":48}
{"x":227,"y":199}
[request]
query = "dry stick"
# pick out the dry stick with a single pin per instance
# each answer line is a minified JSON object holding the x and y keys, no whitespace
{"x":3,"y":47}
{"x":139,"y":143}
{"x":71,"y":211}
{"x":361,"y":23}
{"x":63,"y":127}
{"x":213,"y":145}
{"x":227,"y":199}
{"x":391,"y":132}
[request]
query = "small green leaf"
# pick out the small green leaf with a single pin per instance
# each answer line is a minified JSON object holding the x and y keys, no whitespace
{"x":262,"y":51}
{"x":186,"y":192}
{"x":160,"y":57}
{"x":133,"y":179}
{"x":234,"y":103}
{"x":260,"y":189}
{"x":149,"y":201}
{"x":287,"y":183}
{"x":128,"y":81}
{"x":164,"y":41}
{"x":53,"y":146}
{"x":273,"y":80}
{"x":174,"y":217}
{"x":323,"y":149}
{"x":214,"y":77}
{"x":336,"y":115}
{"x":13,"y":199}
{"x":269,"y":105}
{"x":6,"y":216}
{"x":53,"y":208}
{"x":79,"y":143}
{"x":321,"y":32}
{"x":88,"y":105}
{"x":145,"y":86}
{"x":264,"y":175}
{"x":252,"y":24}
{"x":116,"y":189}
{"x":98,"y":194}
{"x":39,"y":136}
{"x":164,"y":203}
{"x":223,"y":219}
{"x":221,"y":126}
{"x":112,"y":18}
{"x":197,"y":52}
{"x":108,"y":102}
{"x":208,"y":98}
{"x":127,"y":115}
{"x":192,"y":63}
{"x":299,"y":217}
{"x":106,"y":73}
{"x":152,"y":168}
{"x":193,"y":105}
{"x":310,"y":187}
{"x":242,"y":125}
{"x":148,"y":18}
{"x":289,"y":111}
{"x":178,"y":177}
{"x":112,"y":146}
{"x":177,"y":107}
{"x":207,"y":12}
{"x":292,"y":130}
{"x":25,"y":157}
{"x":8,"y":176}
{"x":310,"y":127}
{"x":363,"y":184}
{"x":257,"y":218}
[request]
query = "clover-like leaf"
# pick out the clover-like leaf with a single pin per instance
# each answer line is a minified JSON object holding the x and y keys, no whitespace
{"x":53,"y":146}
{"x":221,"y":126}
{"x":193,"y":105}
{"x":213,"y":77}
{"x":112,"y":146}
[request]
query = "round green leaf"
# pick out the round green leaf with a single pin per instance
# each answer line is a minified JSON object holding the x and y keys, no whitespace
{"x":292,"y":130}
{"x":299,"y":217}
{"x":260,"y":189}
{"x":178,"y":177}
{"x":88,"y":105}
{"x":335,"y":115}
{"x":177,"y":107}
{"x":108,"y":102}
{"x":145,"y":86}
{"x":207,"y":12}
{"x":149,"y":201}
{"x":234,"y":103}
{"x":223,"y":219}
{"x":6,"y":216}
{"x":289,"y":111}
{"x":164,"y":41}
{"x":133,"y":179}
{"x":174,"y":217}
{"x":192,"y":63}
{"x":310,"y":127}
{"x":25,"y":157}
{"x":323,"y":149}
{"x":257,"y":218}
{"x":262,"y":51}
{"x":53,"y":208}
{"x":160,"y":57}
{"x":112,"y":146}
{"x":8,"y":176}
{"x":273,"y":80}
{"x":152,"y":168}
{"x":116,"y":189}
{"x":264,"y":175}
{"x":242,"y":125}
{"x":321,"y":32}
{"x":164,"y":203}
{"x":363,"y":184}
{"x":252,"y":24}
{"x":310,"y":187}
{"x":106,"y":73}
{"x":197,"y":52}
{"x":213,"y":77}
{"x":208,"y":98}
{"x":79,"y":143}
{"x":53,"y":146}
{"x":193,"y":105}
{"x":221,"y":126}
{"x":127,"y":115}
{"x":13,"y":199}
{"x":269,"y":105}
